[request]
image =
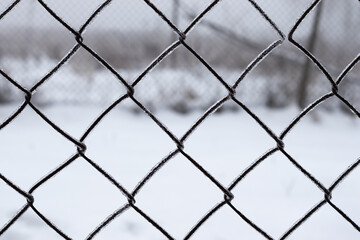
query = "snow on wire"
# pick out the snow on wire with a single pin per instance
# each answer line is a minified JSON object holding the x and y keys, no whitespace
{"x":180,"y":149}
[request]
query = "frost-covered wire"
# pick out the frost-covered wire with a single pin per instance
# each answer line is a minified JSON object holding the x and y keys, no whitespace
{"x":80,"y":150}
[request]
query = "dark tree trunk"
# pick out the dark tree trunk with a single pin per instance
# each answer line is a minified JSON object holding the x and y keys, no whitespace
{"x":304,"y":81}
{"x":175,"y":21}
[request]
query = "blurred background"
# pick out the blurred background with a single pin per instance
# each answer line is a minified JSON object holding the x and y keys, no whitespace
{"x":129,"y":35}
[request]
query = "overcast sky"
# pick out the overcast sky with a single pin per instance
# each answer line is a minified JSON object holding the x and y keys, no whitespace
{"x":135,"y":14}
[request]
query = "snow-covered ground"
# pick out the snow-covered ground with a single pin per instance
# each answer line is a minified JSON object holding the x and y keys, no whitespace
{"x":127,"y":145}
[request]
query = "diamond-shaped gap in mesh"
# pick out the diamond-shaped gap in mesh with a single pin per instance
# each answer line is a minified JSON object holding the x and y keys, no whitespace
{"x":5,"y":4}
{"x":78,"y":93}
{"x":11,"y":202}
{"x":326,"y":223}
{"x":130,"y":225}
{"x":349,"y":89}
{"x":129,"y":36}
{"x":78,"y":199}
{"x":231,"y":36}
{"x":31,"y":227}
{"x":226,"y":224}
{"x":270,"y":90}
{"x":226,"y":144}
{"x":82,"y":80}
{"x":283,"y":12}
{"x":339,"y":22}
{"x":32,"y":43}
{"x":74,"y":13}
{"x":177,"y":196}
{"x":316,"y":87}
{"x":183,"y":90}
{"x":275,"y":188}
{"x":325,"y":143}
{"x":11,"y":98}
{"x":128,"y":145}
{"x":182,"y":12}
{"x":30,"y":148}
{"x":274,"y":81}
{"x":347,"y":195}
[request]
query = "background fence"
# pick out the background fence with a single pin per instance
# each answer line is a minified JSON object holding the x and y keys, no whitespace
{"x":184,"y":55}
{"x":228,"y":39}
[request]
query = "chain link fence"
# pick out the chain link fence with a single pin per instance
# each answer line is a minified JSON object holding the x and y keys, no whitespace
{"x":171,"y":62}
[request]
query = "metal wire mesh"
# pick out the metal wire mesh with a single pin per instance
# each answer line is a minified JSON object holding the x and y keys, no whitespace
{"x":81,"y":148}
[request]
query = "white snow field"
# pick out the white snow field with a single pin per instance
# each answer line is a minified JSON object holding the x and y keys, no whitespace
{"x":127,"y":145}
